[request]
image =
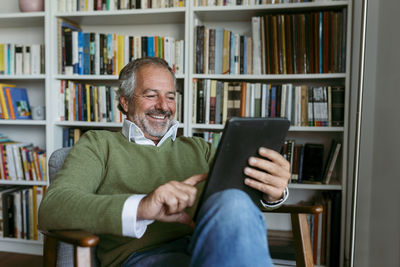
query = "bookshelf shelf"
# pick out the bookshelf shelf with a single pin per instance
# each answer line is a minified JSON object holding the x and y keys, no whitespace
{"x":23,"y":122}
{"x":126,"y":17}
{"x":19,"y":19}
{"x":97,"y":77}
{"x":275,"y":77}
{"x":89,"y":124}
{"x":243,"y":13}
{"x":7,"y":182}
{"x":23,"y":77}
{"x":93,"y":124}
{"x":316,"y":186}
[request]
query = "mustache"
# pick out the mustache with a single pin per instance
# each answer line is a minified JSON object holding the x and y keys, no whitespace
{"x":159,"y":112}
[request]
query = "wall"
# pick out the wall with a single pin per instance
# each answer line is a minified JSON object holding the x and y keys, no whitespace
{"x":377,"y":233}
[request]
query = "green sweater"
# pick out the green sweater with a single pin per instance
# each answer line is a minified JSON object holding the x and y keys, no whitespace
{"x":102,"y":171}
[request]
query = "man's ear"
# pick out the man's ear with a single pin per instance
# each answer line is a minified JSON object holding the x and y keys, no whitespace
{"x":124,"y":103}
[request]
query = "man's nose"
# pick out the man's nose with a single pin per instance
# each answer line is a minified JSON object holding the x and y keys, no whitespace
{"x":162,"y":103}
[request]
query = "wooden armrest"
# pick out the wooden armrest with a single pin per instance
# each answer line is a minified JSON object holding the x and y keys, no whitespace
{"x":308,"y":209}
{"x":74,"y":237}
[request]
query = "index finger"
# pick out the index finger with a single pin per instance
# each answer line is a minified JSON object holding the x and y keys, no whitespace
{"x":274,"y":156}
{"x":195,"y":179}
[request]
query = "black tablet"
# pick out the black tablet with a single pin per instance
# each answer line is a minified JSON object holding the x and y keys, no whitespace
{"x":241,"y":139}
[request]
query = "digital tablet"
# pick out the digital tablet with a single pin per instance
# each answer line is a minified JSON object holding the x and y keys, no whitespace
{"x":241,"y":139}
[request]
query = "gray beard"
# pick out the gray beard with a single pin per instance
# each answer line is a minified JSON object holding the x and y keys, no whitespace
{"x":159,"y":131}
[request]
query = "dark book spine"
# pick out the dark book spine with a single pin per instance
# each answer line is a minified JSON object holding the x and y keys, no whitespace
{"x":92,"y":53}
{"x":337,"y":105}
{"x":199,"y":48}
{"x":200,"y":102}
{"x":211,"y":52}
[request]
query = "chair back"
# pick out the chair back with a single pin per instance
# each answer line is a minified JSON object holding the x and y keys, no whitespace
{"x":56,"y":161}
{"x":65,"y":252}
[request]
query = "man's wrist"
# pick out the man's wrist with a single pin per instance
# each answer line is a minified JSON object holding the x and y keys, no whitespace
{"x":277,"y":202}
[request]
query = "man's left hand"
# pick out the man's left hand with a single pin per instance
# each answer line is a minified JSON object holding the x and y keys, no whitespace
{"x":269,"y":174}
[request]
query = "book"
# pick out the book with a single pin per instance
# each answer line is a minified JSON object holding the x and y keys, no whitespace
{"x":331,"y":161}
{"x":19,"y":103}
{"x":312,"y":163}
{"x":3,"y":101}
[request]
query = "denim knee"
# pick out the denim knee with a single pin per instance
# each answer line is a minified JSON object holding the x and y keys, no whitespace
{"x":232,"y":203}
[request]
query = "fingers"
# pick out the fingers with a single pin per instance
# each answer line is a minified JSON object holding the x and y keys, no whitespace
{"x":195,"y":179}
{"x":274,"y":157}
{"x":273,"y":193}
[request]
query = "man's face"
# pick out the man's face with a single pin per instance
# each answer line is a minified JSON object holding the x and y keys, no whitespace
{"x":153,"y":106}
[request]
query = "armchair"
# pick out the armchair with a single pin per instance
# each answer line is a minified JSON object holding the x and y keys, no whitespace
{"x":77,"y":247}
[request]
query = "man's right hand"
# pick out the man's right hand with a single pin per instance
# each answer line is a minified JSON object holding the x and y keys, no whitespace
{"x":168,"y":201}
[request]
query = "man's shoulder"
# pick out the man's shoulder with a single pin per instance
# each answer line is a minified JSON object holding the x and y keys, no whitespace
{"x":102,"y":136}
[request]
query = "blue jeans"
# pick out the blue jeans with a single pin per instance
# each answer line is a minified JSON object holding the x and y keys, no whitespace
{"x":231,"y":231}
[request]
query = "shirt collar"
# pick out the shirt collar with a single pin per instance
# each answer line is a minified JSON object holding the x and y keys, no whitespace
{"x":134,"y":134}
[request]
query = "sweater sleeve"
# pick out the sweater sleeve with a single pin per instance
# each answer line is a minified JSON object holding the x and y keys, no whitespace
{"x":72,"y":202}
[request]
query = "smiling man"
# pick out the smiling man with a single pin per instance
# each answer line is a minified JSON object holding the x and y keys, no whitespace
{"x":138,"y":188}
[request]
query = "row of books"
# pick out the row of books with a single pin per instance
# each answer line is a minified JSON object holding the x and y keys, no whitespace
{"x":300,"y":43}
{"x":107,"y":53}
{"x":220,"y":51}
{"x":96,"y":103}
{"x":20,"y":161}
{"x":111,"y":5}
{"x":18,"y":59}
{"x":244,"y":2}
{"x":307,"y":161}
{"x":324,"y":231}
{"x":14,"y":103}
{"x":19,"y":211}
{"x":216,"y":101}
{"x":87,"y":102}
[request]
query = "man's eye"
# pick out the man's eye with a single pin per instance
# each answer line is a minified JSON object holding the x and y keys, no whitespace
{"x":150,"y":96}
{"x":172,"y":98}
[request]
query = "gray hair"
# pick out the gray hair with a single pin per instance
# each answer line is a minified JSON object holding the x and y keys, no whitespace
{"x":127,"y":76}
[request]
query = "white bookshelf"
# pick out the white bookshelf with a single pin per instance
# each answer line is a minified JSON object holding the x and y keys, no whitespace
{"x":238,"y":20}
{"x":25,"y":28}
{"x":176,"y":22}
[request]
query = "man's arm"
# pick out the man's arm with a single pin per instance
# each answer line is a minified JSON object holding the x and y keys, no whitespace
{"x":72,"y":201}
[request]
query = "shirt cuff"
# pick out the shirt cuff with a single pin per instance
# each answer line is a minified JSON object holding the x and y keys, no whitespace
{"x":130,"y":225}
{"x":277,"y":203}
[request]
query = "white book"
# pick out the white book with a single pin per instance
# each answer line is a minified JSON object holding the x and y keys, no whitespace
{"x":18,"y":59}
{"x":137,"y":51}
{"x":237,"y":54}
{"x":252,"y":100}
{"x":27,"y":59}
{"x":255,"y":26}
{"x":289,"y":102}
{"x":103,"y":103}
{"x":10,"y":162}
{"x":35,"y":59}
{"x":18,"y":160}
{"x":75,"y":52}
{"x":74,"y":6}
{"x":283,"y":101}
{"x":62,"y":5}
{"x":17,"y":214}
{"x":167,"y":51}
{"x":90,"y":5}
{"x":263,"y":100}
